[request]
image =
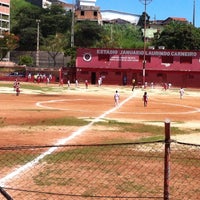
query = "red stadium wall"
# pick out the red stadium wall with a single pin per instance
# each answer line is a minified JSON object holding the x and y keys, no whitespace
{"x":120,"y":66}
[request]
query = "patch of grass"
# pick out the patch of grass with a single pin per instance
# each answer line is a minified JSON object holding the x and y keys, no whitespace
{"x":80,"y":154}
{"x":129,"y":186}
{"x":43,"y":88}
{"x":157,"y":132}
{"x":9,"y":159}
{"x":74,"y":154}
{"x":89,"y":192}
{"x":66,"y":121}
{"x":151,"y":138}
{"x":37,"y":87}
{"x":32,"y":87}
{"x":25,"y":86}
{"x":6,"y":85}
{"x":138,"y":127}
{"x":45,"y":177}
{"x":2,"y":121}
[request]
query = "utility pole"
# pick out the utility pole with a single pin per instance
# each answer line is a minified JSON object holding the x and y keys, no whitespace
{"x":194,"y":12}
{"x":145,"y":2}
{"x":72,"y":26}
{"x":38,"y":43}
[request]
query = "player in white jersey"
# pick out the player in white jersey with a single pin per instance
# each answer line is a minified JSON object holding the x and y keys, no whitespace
{"x":116,"y":98}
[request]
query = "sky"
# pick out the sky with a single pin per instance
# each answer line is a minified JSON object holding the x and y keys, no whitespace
{"x":156,"y":9}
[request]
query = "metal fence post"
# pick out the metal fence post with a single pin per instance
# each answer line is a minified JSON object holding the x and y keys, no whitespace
{"x":167,"y":159}
{"x":5,"y":194}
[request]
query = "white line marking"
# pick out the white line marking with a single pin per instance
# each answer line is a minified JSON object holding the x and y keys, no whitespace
{"x":31,"y":164}
{"x":192,"y":111}
{"x":40,"y":104}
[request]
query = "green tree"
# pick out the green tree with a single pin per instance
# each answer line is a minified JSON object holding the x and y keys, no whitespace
{"x":55,"y":20}
{"x":8,"y":42}
{"x":15,"y":6}
{"x":28,"y":39}
{"x":121,"y":36}
{"x":129,"y":36}
{"x":25,"y":60}
{"x":178,"y":35}
{"x":87,"y":34}
{"x":54,"y":44}
{"x":26,"y":27}
{"x":71,"y":51}
{"x":52,"y":20}
{"x":108,"y":39}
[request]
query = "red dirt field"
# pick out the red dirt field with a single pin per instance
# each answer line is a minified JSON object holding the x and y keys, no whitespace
{"x":20,"y":115}
{"x":22,"y":122}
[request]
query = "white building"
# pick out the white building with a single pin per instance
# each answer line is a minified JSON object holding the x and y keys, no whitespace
{"x":111,"y":15}
{"x":85,"y":2}
{"x":46,"y":4}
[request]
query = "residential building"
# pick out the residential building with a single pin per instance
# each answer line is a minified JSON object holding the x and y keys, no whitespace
{"x":4,"y":16}
{"x":41,"y":3}
{"x":66,"y":6}
{"x":174,"y":19}
{"x":5,"y":20}
{"x":86,"y":10}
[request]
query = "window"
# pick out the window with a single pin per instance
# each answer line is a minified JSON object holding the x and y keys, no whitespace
{"x":5,"y":17}
{"x":147,"y":58}
{"x":159,"y":75}
{"x":95,"y":13}
{"x":186,"y":60}
{"x":167,"y":59}
{"x":84,"y":72}
{"x":103,"y":57}
{"x":5,"y":24}
{"x":5,"y":5}
{"x":103,"y":73}
{"x":118,"y":73}
{"x":191,"y":76}
{"x":82,"y":13}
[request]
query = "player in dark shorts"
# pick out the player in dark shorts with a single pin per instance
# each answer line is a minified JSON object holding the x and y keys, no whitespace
{"x":145,"y":99}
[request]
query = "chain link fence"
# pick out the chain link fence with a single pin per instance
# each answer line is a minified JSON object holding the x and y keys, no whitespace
{"x":112,"y":171}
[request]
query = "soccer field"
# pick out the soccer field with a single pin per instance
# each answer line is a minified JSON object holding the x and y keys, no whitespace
{"x":51,"y":135}
{"x":23,"y":117}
